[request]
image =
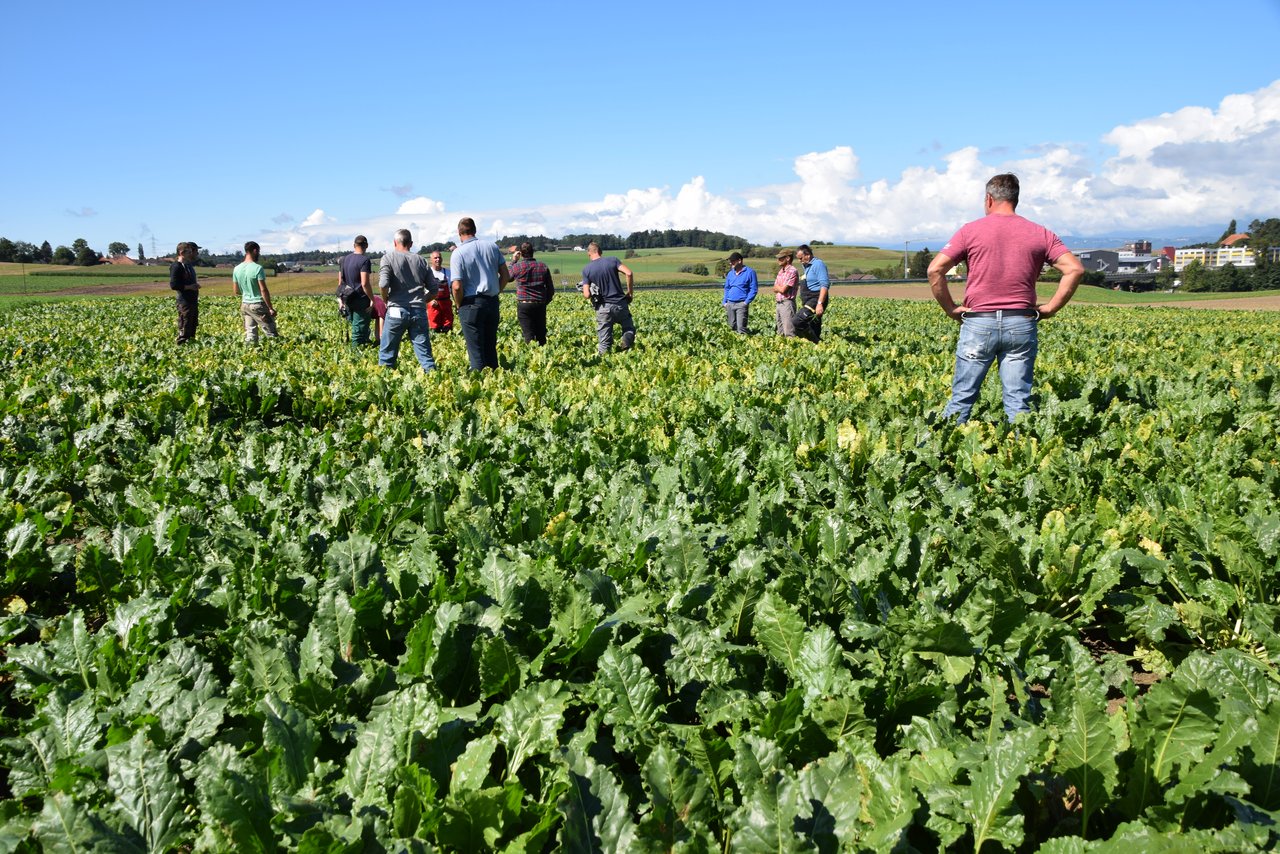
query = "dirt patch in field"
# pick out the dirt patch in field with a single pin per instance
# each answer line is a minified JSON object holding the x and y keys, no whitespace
{"x":921,"y":293}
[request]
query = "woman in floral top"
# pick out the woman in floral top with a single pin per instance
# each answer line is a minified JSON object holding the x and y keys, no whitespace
{"x":784,"y":293}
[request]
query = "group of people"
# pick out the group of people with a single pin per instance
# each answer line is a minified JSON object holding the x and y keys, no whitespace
{"x":422,"y":297}
{"x":998,"y":316}
{"x":812,"y":289}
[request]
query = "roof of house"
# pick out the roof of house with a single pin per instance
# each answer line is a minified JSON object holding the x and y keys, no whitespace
{"x":1235,"y":238}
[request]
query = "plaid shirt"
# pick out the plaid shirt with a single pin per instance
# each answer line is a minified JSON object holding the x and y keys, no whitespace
{"x":533,"y":280}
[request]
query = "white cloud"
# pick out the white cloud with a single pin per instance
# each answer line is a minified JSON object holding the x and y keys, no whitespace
{"x":317,"y":217}
{"x":1195,"y":165}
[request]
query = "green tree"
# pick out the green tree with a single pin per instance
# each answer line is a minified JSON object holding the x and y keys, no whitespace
{"x":919,"y":267}
{"x":118,"y":248}
{"x":1196,"y":278}
{"x":722,"y":268}
{"x":45,"y":253}
{"x":1230,"y":278}
{"x":1231,"y":229}
{"x":141,"y":256}
{"x":63,"y":255}
{"x":85,"y":255}
{"x":7,"y":249}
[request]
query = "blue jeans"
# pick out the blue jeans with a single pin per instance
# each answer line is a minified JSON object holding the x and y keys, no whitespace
{"x":1009,"y":340}
{"x":402,"y":320}
{"x":478,"y":317}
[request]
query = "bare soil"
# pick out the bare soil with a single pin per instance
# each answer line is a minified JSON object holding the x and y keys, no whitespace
{"x":922,"y":293}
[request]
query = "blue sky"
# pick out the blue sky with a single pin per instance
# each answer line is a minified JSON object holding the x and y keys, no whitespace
{"x":299,"y":125}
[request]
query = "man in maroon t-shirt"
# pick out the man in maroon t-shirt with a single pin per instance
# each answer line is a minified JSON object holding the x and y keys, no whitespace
{"x":998,"y":316}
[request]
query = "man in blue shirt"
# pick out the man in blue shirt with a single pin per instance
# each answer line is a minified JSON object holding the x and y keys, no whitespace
{"x":479,"y":276}
{"x":813,"y":290}
{"x":740,"y":287}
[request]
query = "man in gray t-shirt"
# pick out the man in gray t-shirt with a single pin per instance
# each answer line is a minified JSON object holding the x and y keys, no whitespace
{"x":403,"y":278}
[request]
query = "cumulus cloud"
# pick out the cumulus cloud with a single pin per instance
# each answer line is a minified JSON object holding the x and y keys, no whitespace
{"x":282,"y":219}
{"x":1198,"y":164}
{"x":83,"y":213}
{"x":401,"y":190}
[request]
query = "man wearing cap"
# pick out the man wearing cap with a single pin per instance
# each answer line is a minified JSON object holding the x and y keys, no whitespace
{"x":740,"y":287}
{"x":479,"y":276}
{"x":998,"y":316}
{"x":784,"y":294}
{"x":813,"y":291}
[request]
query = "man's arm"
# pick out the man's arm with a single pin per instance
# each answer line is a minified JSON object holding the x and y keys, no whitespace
{"x":235,"y":287}
{"x":824,"y":291}
{"x":631,"y":279}
{"x":1072,"y":272}
{"x":504,"y":277}
{"x":266,"y":296}
{"x":384,"y":279}
{"x":456,"y":286}
{"x":366,"y":285}
{"x":938,"y":269}
{"x":753,"y":286}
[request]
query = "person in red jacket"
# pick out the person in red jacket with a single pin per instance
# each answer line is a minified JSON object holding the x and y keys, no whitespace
{"x":440,"y":301}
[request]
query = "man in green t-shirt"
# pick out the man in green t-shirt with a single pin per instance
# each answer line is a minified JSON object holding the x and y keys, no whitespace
{"x":249,"y":282}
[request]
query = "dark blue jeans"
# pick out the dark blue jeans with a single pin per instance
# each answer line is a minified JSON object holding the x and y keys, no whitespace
{"x":478,"y":317}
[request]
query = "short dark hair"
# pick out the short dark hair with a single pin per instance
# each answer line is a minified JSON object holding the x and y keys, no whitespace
{"x":1004,"y":188}
{"x":251,"y":248}
{"x":804,"y":247}
{"x":467,"y":225}
{"x":404,"y":238}
{"x":526,"y":250}
{"x":735,"y":256}
{"x":361,"y":241}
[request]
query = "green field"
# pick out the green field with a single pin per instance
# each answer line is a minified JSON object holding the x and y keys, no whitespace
{"x":718,"y":593}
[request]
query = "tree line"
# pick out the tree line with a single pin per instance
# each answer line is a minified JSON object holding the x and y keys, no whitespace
{"x":79,"y":253}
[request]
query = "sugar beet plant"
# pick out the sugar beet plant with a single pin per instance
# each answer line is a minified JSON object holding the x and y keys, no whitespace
{"x":717,"y":593}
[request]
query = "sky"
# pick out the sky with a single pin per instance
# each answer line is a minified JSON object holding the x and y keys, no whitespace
{"x":299,"y":125}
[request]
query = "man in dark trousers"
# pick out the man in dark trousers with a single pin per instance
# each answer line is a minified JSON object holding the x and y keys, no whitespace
{"x":534,"y":290}
{"x":998,"y":317}
{"x":182,"y":278}
{"x":479,"y":276}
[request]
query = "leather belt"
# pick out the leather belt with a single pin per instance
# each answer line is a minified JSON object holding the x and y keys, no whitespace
{"x":1007,"y":312}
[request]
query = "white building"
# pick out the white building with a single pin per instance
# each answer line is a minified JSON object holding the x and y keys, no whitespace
{"x":1220,"y":256}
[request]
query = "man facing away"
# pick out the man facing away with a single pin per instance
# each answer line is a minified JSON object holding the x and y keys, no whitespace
{"x":403,"y":279}
{"x":814,"y":289}
{"x":479,"y":276}
{"x":249,"y":282}
{"x":740,"y":287}
{"x":355,"y":290}
{"x":534,"y":290}
{"x":603,"y":287}
{"x":182,"y":278}
{"x":998,"y":316}
{"x":439,"y":302}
